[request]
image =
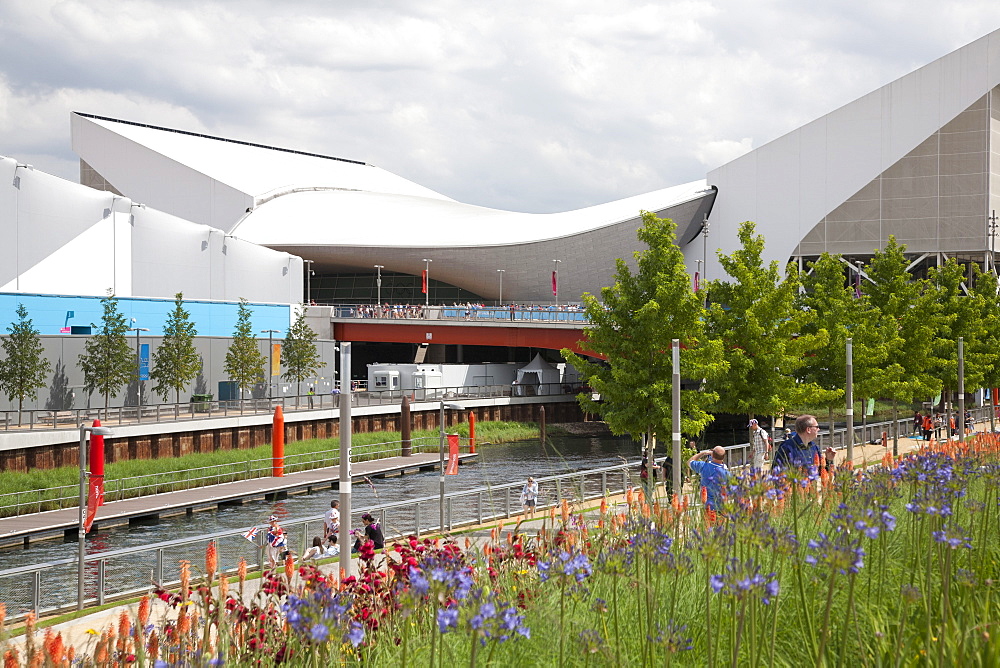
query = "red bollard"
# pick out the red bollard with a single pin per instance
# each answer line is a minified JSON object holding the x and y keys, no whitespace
{"x":472,"y":432}
{"x":278,"y":444}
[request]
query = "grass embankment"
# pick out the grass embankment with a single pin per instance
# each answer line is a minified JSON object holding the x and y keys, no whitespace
{"x":207,"y":468}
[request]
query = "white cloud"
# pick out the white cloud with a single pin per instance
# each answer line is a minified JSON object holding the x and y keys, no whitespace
{"x":528,"y":106}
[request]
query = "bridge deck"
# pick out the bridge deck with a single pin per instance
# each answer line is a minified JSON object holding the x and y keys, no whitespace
{"x":48,"y":524}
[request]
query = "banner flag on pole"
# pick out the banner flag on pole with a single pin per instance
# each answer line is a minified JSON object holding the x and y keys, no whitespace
{"x":697,"y":282}
{"x":423,"y":281}
{"x":275,"y":359}
{"x":452,"y":468}
{"x":555,"y":283}
{"x":250,"y":535}
{"x":95,"y":498}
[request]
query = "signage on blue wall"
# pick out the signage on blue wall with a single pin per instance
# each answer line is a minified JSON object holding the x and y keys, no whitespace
{"x":144,"y":361}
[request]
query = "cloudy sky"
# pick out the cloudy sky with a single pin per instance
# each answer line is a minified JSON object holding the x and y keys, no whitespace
{"x":536,"y":106}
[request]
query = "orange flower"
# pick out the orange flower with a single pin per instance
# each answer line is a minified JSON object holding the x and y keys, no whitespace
{"x":629,"y":497}
{"x":11,"y":659}
{"x":604,"y":505}
{"x":124,"y":625}
{"x":645,"y":510}
{"x":3,"y":615}
{"x":223,"y":588}
{"x":704,"y":495}
{"x":211,"y":560}
{"x":101,"y":652}
{"x":565,"y":511}
{"x":185,"y":578}
{"x":289,"y":567}
{"x":70,"y":655}
{"x":153,"y":650}
{"x":47,"y":641}
{"x":56,"y":649}
{"x":467,"y":543}
{"x":241,"y":571}
{"x":183,"y":622}
{"x":144,"y":605}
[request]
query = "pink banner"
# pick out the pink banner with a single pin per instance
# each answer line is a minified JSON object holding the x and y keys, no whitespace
{"x":697,"y":282}
{"x":95,"y":498}
{"x":555,"y":283}
{"x":452,"y":468}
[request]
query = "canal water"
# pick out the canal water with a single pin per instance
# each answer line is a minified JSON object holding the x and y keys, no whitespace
{"x":495,"y":465}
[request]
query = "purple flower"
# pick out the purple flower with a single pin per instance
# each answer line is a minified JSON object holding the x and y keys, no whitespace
{"x":447,"y":618}
{"x":840,"y":553}
{"x":953,"y":536}
{"x":672,"y":637}
{"x":742,"y":579}
{"x":320,"y":633}
{"x":355,"y":634}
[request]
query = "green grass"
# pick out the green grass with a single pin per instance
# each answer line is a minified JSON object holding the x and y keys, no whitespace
{"x":167,"y":474}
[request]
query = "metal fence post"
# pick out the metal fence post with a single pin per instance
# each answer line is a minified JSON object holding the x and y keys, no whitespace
{"x":158,"y":574}
{"x":100,"y":581}
{"x":36,"y":590}
{"x":416,"y":517}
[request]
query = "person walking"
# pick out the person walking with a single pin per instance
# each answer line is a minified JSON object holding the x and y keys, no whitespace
{"x":714,"y":474}
{"x":800,"y":450}
{"x":758,"y":444}
{"x":529,"y":496}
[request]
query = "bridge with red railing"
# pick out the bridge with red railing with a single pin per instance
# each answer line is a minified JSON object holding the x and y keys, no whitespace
{"x":542,"y":327}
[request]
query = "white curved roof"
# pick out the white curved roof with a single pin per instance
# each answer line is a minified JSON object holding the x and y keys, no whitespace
{"x":356,"y":218}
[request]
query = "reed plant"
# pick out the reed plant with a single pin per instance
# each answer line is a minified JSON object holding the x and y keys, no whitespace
{"x":895,"y":565}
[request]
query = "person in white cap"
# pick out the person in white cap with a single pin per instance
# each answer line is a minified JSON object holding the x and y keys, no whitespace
{"x":758,"y":444}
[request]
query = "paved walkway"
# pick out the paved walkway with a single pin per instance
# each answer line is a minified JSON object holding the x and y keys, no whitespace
{"x":45,"y":524}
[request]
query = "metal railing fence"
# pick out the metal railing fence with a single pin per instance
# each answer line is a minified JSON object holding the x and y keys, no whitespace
{"x":568,"y":314}
{"x":39,"y":419}
{"x":49,"y":588}
{"x":68,"y":496}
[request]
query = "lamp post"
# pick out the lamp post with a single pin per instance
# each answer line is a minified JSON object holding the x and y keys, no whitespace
{"x":309,"y":273}
{"x":457,"y":407}
{"x":992,"y":228}
{"x":138,"y":364}
{"x":270,"y":357}
{"x":500,"y":273}
{"x":704,"y":244}
{"x":555,"y":281}
{"x":344,"y":472}
{"x":378,"y":282}
{"x":427,"y":280}
{"x":81,"y":528}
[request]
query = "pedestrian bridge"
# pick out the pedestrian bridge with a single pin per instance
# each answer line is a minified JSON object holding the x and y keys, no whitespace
{"x":553,"y":328}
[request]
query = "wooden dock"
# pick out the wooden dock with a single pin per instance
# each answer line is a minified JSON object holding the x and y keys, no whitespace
{"x":24,"y":529}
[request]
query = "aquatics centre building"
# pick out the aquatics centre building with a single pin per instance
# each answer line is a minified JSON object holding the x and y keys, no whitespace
{"x":160,"y":210}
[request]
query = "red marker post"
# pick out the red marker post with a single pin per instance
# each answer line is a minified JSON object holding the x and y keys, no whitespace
{"x":278,"y":444}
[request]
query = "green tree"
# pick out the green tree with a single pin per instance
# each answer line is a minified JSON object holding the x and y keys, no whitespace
{"x":632,"y":327}
{"x":176,"y":361}
{"x":765,"y":336}
{"x":841,"y":314}
{"x":903,"y":310}
{"x":108,"y":362}
{"x":300,"y":357}
{"x":244,"y":361}
{"x":983,"y":294}
{"x":25,"y":368}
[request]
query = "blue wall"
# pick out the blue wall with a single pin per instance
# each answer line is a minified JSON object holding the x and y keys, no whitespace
{"x":51,"y":313}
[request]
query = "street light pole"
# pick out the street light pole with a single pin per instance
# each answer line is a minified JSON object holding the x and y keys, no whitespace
{"x":270,"y":357}
{"x":555,"y":280}
{"x":427,"y":280}
{"x":138,"y":364}
{"x":992,"y":227}
{"x":704,"y":244}
{"x":378,"y":282}
{"x":344,"y":471}
{"x":500,"y":273}
{"x":81,"y":552}
{"x":456,"y":407}
{"x":309,"y":273}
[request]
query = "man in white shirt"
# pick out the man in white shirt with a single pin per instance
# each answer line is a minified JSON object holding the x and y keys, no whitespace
{"x":758,"y":444}
{"x":331,"y":520}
